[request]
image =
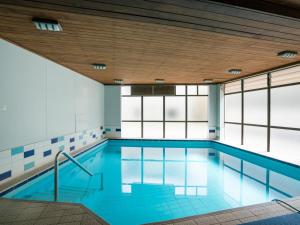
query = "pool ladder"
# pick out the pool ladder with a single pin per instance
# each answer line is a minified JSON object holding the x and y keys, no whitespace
{"x":72,"y":159}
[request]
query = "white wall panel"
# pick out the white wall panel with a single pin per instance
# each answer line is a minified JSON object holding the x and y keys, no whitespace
{"x":60,"y":100}
{"x":39,"y":99}
{"x":22,"y":96}
{"x":88,"y":98}
{"x":112,"y":106}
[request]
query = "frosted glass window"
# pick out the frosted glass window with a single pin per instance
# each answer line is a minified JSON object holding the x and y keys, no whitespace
{"x":175,"y":108}
{"x":180,"y":89}
{"x":233,"y":87}
{"x":286,"y":76}
{"x":256,"y":82}
{"x":233,"y":108}
{"x":153,"y":130}
{"x":192,"y":89}
{"x":175,"y":153}
{"x":175,"y":130}
{"x":233,"y":133}
{"x":175,"y":173}
{"x":126,"y":90}
{"x":153,"y":153}
{"x":203,"y":89}
{"x":285,"y":106}
{"x":131,"y":108}
{"x":286,"y":142}
{"x":153,"y":172}
{"x":255,"y":138}
{"x":197,"y":130}
{"x":197,"y":108}
{"x":153,"y":108}
{"x":131,"y":129}
{"x":255,"y":107}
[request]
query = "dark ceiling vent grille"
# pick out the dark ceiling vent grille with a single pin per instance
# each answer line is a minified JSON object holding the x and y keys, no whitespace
{"x":152,"y":90}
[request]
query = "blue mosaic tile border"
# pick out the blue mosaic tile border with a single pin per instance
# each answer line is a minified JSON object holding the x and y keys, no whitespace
{"x":47,"y":170}
{"x":28,"y":157}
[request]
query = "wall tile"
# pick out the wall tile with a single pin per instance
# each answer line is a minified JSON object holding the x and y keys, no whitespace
{"x":61,"y":138}
{"x":47,"y":153}
{"x":54,"y":140}
{"x":17,"y":150}
{"x":5,"y":175}
{"x":28,"y":166}
{"x":29,"y":153}
{"x":23,"y":158}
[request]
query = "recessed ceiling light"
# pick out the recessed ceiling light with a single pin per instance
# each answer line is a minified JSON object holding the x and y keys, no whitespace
{"x":159,"y":81}
{"x":287,"y":54}
{"x":99,"y":66}
{"x":118,"y":81}
{"x":208,"y":80}
{"x":46,"y":24}
{"x":235,"y":71}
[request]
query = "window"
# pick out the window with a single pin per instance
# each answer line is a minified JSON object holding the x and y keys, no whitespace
{"x":262,"y":113}
{"x":153,"y":129}
{"x":175,"y":108}
{"x":255,"y":138}
{"x":285,"y":106}
{"x":197,"y":130}
{"x":153,"y":108}
{"x":175,"y":130}
{"x":131,"y":108}
{"x":184,"y":114}
{"x":197,"y":108}
{"x":255,"y":107}
{"x":233,"y":110}
{"x":233,"y":133}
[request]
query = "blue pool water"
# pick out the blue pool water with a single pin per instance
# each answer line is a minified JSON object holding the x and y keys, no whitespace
{"x":149,"y":181}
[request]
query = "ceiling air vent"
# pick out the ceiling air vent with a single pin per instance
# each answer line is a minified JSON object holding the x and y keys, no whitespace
{"x":152,"y":90}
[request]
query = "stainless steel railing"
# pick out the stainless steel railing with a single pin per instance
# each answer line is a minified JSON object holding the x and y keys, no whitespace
{"x":56,"y":167}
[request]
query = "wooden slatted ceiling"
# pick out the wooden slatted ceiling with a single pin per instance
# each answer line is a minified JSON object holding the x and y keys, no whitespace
{"x":140,"y":51}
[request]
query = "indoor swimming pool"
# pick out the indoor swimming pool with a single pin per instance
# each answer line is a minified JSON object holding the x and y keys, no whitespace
{"x":137,"y":182}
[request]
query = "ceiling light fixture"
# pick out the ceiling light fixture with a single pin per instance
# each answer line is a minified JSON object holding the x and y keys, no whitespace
{"x":208,"y":80}
{"x":287,"y":54}
{"x":46,"y":24}
{"x":159,"y":81}
{"x":118,"y":81}
{"x":235,"y":71}
{"x":99,"y":66}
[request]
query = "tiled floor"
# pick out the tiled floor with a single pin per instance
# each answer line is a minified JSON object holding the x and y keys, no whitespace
{"x":239,"y":215}
{"x":16,"y":212}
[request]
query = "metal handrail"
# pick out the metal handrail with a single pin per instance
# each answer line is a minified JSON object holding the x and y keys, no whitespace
{"x":56,"y":170}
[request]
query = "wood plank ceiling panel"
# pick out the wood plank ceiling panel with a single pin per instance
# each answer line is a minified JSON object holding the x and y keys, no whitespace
{"x":180,"y":44}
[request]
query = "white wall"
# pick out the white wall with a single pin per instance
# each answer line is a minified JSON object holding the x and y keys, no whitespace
{"x":213,"y":111}
{"x":112,"y":113}
{"x":40,"y":99}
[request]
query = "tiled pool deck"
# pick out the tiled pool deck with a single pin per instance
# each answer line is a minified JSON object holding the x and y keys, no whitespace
{"x":18,"y":212}
{"x":239,"y":215}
